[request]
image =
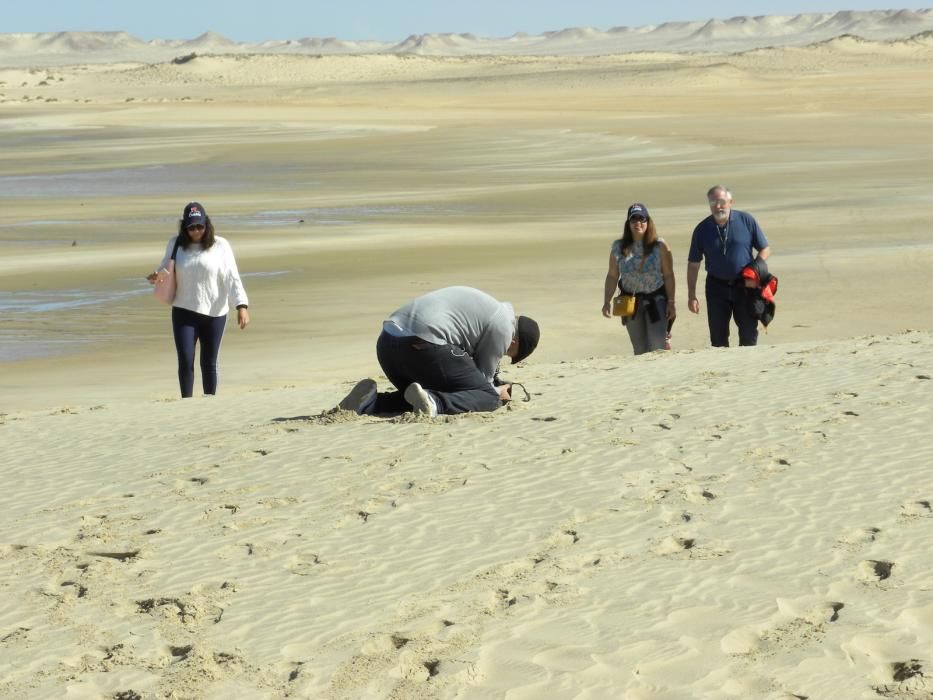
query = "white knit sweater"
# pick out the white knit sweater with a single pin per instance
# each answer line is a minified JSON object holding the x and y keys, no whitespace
{"x":208,"y":280}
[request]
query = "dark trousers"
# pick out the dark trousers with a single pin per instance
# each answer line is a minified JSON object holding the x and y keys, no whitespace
{"x":446,"y":372}
{"x":189,"y":329}
{"x":726,"y":301}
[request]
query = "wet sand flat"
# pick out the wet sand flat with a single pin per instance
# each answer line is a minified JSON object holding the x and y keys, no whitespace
{"x":365,"y":193}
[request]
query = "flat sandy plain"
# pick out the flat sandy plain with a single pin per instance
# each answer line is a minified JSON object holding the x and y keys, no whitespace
{"x":711,"y":524}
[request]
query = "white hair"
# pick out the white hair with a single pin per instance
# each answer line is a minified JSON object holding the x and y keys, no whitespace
{"x":712,"y":190}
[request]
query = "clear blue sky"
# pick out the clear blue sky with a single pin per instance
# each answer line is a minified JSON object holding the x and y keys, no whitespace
{"x":385,"y":20}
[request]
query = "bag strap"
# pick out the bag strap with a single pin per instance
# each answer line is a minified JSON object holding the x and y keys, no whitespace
{"x":527,"y":395}
{"x":175,"y":249}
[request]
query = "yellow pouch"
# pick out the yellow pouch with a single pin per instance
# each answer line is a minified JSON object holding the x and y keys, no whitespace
{"x":623,"y":305}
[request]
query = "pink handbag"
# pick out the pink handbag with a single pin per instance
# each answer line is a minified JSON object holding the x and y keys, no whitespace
{"x":165,"y":284}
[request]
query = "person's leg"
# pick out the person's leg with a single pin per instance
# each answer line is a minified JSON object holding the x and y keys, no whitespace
{"x":185,"y":333}
{"x":451,"y":378}
{"x":748,"y":324}
{"x":447,"y":373}
{"x":637,"y":330}
{"x":210,"y":333}
{"x":393,"y":355}
{"x":656,"y":331}
{"x":718,"y":311}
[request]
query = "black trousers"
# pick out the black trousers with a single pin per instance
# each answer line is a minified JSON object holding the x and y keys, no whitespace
{"x":189,"y":329}
{"x":726,"y":301}
{"x":446,"y":372}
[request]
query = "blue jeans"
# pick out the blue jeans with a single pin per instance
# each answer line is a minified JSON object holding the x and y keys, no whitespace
{"x":726,"y":301}
{"x":446,"y":372}
{"x":190,"y":328}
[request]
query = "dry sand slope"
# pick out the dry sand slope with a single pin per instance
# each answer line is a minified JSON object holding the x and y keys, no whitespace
{"x":750,"y":523}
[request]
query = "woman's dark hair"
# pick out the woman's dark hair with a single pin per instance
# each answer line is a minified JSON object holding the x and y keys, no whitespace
{"x":207,"y":240}
{"x":651,"y":238}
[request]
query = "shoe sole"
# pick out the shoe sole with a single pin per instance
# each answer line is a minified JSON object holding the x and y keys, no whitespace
{"x":419,"y":400}
{"x":359,"y":396}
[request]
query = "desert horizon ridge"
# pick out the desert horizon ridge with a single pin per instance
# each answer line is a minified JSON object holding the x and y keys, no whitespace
{"x":700,"y":524}
{"x":715,"y":35}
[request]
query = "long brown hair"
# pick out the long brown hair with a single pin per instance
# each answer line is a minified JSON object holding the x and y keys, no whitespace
{"x":207,"y":240}
{"x":628,"y":240}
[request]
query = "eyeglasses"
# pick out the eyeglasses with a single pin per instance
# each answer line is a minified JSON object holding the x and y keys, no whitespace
{"x":718,"y":202}
{"x":195,"y":227}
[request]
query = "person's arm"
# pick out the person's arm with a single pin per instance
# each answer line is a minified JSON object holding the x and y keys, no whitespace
{"x":612,"y":282}
{"x":693,"y":272}
{"x":667,"y":271}
{"x":759,"y":240}
{"x":236,"y":292}
{"x":154,"y":275}
{"x":495,"y":342}
{"x":694,"y":258}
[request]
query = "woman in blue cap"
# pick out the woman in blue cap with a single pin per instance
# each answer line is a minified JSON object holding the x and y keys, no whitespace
{"x":641,"y":264}
{"x":208,"y":284}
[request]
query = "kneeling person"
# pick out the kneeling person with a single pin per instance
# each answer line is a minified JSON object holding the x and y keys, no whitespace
{"x":442,"y":350}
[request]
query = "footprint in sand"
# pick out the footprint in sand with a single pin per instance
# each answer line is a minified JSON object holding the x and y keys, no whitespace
{"x":916,"y":509}
{"x":874,"y":570}
{"x":304,"y":564}
{"x":795,"y":624}
{"x":675,"y":545}
{"x":859,"y":536}
{"x":906,"y":681}
{"x":698,"y":494}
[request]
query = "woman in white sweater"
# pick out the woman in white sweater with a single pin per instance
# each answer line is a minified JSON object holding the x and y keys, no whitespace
{"x":208,"y":285}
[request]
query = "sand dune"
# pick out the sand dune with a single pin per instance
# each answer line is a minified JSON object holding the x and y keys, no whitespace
{"x":741,"y":523}
{"x":714,"y":524}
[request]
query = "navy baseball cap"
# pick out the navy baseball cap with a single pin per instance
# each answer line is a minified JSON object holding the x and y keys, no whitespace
{"x":637,"y":209}
{"x":194,"y":214}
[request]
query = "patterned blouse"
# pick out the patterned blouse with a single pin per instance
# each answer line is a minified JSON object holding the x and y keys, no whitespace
{"x":638,"y":273}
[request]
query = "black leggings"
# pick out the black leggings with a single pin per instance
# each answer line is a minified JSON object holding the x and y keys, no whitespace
{"x":190,"y":328}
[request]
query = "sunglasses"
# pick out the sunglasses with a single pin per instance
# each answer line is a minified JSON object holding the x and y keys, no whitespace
{"x":638,"y":219}
{"x":195,"y":227}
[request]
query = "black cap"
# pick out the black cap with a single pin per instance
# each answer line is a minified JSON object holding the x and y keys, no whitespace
{"x":528,"y":334}
{"x":194,"y":214}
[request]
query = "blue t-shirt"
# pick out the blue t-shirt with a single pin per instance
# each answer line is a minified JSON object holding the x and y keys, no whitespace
{"x":742,"y":235}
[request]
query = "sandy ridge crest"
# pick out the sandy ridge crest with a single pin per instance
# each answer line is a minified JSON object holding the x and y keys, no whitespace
{"x":715,"y":35}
